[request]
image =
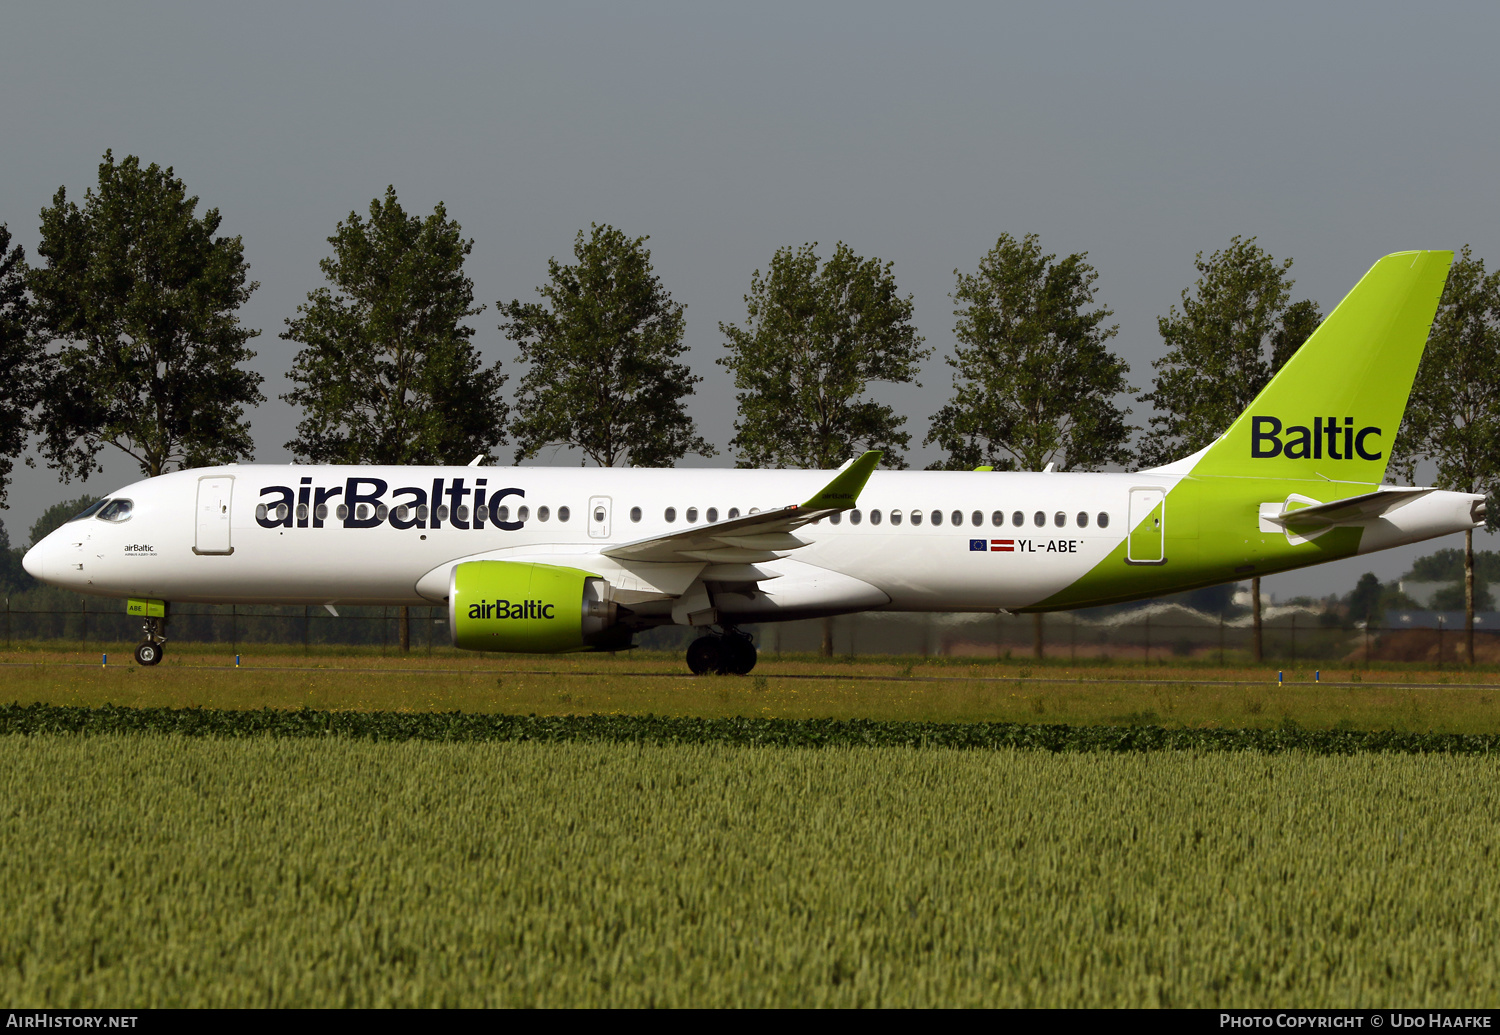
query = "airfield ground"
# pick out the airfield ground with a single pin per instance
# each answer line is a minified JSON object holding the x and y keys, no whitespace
{"x":170,"y":870}
{"x":1391,"y":696}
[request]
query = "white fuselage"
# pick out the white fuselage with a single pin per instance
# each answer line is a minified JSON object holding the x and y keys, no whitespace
{"x":958,"y":557}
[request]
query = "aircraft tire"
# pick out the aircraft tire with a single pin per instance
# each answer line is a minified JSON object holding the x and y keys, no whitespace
{"x":148,"y":654}
{"x":705,"y":655}
{"x":737,"y":656}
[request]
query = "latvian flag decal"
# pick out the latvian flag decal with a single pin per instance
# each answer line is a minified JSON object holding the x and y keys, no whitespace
{"x":992,"y":546}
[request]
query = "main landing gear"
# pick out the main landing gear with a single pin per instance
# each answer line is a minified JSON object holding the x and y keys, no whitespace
{"x":150,"y":652}
{"x":731,"y":653}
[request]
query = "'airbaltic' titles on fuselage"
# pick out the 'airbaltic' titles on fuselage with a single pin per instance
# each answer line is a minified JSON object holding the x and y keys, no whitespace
{"x":365,"y":504}
{"x":1327,"y":437}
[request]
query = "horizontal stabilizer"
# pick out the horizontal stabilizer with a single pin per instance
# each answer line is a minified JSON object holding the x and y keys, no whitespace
{"x":1349,"y":511}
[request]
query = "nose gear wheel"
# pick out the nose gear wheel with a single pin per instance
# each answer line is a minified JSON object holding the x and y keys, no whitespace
{"x":150,"y":652}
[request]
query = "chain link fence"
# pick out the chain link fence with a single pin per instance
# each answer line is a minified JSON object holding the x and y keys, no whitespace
{"x":1153,"y":632}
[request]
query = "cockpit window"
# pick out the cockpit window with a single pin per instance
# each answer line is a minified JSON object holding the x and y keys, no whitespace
{"x":116,"y":510}
{"x":90,"y":511}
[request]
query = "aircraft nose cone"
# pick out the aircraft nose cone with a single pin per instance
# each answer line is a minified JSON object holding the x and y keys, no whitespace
{"x":35,"y":562}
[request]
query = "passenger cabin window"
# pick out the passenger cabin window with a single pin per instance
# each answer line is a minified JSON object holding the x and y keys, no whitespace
{"x":670,"y":514}
{"x":957,"y":517}
{"x":1060,"y":519}
{"x":977,"y":518}
{"x":916,"y":517}
{"x":937,"y":517}
{"x":321,"y":512}
{"x":854,"y":517}
{"x":734,"y":512}
{"x":635,"y":514}
{"x":343,"y":512}
{"x":1103,"y":519}
{"x":441,"y":513}
{"x":713,"y":514}
{"x":563,"y":513}
{"x":381,"y":511}
{"x":835,"y":518}
{"x":692,"y":514}
{"x":462,"y":513}
{"x":1039,"y":519}
{"x":874,"y":517}
{"x":1018,"y":519}
{"x":543,"y":513}
{"x":302,"y":511}
{"x":421,"y":512}
{"x":997,"y":518}
{"x":1083,"y":519}
{"x":895,"y":517}
{"x":522,"y":513}
{"x":502,"y":513}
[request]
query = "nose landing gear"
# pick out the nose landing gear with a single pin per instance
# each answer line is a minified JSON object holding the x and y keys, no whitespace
{"x":732,"y":653}
{"x":150,"y":652}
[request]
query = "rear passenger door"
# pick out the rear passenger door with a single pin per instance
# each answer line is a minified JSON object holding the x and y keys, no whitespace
{"x":1147,"y":541}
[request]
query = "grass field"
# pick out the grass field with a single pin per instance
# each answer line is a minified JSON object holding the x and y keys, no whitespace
{"x":165,"y":871}
{"x":1389,"y":697}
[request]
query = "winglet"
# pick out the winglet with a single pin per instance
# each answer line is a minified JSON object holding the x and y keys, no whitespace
{"x":843,"y":491}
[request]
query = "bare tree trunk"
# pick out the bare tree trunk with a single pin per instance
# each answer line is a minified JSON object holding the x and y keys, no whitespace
{"x":1255,"y":599}
{"x":1469,"y":595}
{"x":1036,"y":635}
{"x":403,"y":628}
{"x":828,"y":637}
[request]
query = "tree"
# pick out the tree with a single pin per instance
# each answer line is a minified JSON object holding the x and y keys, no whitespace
{"x":21,"y":357}
{"x":1236,"y":328}
{"x":1364,"y":600}
{"x":1034,"y":382}
{"x":387,"y":373}
{"x":57,"y":515}
{"x":1453,"y":416}
{"x":604,"y":351}
{"x":145,"y":301}
{"x":815,"y":339}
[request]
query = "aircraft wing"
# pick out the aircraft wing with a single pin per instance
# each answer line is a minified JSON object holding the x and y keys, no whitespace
{"x":754,"y":537}
{"x":1346,"y":512}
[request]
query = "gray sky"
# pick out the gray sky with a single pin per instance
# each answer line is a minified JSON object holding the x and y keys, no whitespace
{"x":1139,"y":133}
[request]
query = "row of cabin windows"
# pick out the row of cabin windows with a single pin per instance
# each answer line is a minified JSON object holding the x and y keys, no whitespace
{"x":976,"y":518}
{"x":896,"y":517}
{"x":691,"y":514}
{"x":404,"y":513}
{"x":379,"y":511}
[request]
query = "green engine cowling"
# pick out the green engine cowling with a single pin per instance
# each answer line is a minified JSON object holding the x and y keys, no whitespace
{"x":530,"y":608}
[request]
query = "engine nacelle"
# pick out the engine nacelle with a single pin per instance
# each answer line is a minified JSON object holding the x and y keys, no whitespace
{"x":530,"y":608}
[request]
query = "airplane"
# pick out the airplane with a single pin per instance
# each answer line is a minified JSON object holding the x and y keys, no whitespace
{"x":548,"y":560}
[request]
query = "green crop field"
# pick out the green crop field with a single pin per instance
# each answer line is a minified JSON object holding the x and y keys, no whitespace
{"x":199,"y":871}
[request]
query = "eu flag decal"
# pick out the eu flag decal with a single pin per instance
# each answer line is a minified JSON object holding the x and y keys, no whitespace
{"x":978,"y":544}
